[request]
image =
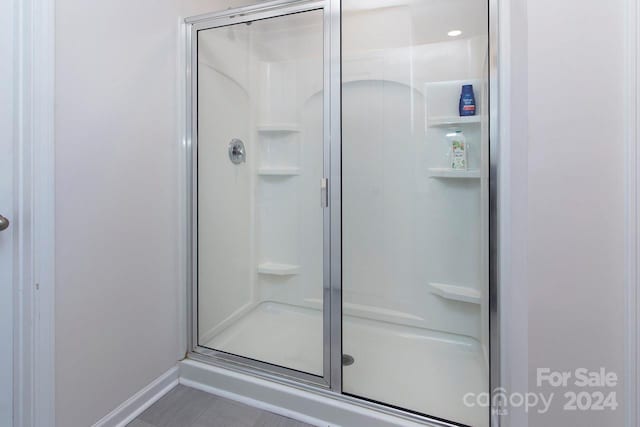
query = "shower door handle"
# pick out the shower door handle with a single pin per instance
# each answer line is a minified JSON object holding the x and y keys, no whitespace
{"x":324,"y":192}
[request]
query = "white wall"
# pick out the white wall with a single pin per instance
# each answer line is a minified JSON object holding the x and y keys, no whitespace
{"x":117,"y":263}
{"x":575,"y":212}
{"x":7,"y":297}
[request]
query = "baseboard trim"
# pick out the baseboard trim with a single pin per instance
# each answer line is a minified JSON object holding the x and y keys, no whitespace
{"x":136,"y":404}
{"x":320,"y":409}
{"x":253,"y":402}
{"x":302,"y":405}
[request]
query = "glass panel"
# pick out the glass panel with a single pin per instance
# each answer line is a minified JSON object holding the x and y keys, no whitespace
{"x":415,"y":204}
{"x":260,"y":166}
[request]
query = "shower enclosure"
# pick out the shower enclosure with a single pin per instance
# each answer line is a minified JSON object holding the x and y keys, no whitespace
{"x":339,"y":200}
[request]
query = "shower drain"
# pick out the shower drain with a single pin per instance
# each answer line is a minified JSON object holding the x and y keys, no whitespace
{"x":347,"y":360}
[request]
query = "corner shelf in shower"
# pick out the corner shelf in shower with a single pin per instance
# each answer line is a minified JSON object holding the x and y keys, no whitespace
{"x":278,"y":127}
{"x":275,"y":269}
{"x":456,"y":293}
{"x":278,"y":171}
{"x":447,"y":121}
{"x":453,"y":173}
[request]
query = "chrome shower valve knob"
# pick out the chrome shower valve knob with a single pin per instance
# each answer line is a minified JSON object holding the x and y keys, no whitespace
{"x":4,"y":223}
{"x":237,"y":152}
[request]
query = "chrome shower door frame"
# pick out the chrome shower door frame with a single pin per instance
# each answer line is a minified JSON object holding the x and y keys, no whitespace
{"x":273,"y":9}
{"x":330,"y":384}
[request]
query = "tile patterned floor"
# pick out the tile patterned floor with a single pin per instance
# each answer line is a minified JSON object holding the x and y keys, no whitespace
{"x":187,"y":407}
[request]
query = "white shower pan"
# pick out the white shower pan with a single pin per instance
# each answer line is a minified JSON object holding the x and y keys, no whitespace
{"x":426,"y":369}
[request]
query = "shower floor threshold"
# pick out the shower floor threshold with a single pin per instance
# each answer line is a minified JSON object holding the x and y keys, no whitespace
{"x":418,"y":369}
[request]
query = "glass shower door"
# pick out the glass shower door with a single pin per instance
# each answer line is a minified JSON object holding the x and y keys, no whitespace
{"x":260,"y":175}
{"x":415,"y":205}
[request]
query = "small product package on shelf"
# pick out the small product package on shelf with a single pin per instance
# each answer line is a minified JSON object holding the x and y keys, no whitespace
{"x":458,"y":151}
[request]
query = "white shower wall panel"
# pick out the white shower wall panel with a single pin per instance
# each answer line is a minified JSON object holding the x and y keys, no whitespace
{"x":289,"y":215}
{"x":226,"y":267}
{"x":431,"y":229}
{"x":427,"y":230}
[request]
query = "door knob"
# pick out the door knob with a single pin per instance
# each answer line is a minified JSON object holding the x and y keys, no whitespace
{"x":4,"y":223}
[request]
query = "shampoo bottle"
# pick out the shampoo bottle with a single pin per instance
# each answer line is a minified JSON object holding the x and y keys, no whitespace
{"x":467,"y":105}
